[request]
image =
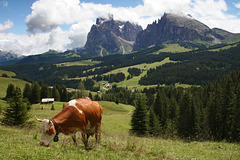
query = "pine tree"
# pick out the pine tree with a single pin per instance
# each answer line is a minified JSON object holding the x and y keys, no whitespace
{"x":154,"y":127}
{"x":44,"y":91}
{"x":36,"y":95}
{"x":27,"y":92}
{"x":81,"y":90}
{"x":161,"y":108}
{"x":90,"y":95}
{"x":139,"y":117}
{"x":55,"y":94}
{"x":215,"y":107}
{"x":64,"y":94}
{"x":17,"y":111}
{"x":186,"y":120}
{"x":52,"y":108}
{"x":10,"y":90}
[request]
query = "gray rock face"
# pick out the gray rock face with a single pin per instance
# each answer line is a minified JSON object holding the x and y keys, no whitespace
{"x":108,"y":36}
{"x":6,"y":56}
{"x":174,"y":28}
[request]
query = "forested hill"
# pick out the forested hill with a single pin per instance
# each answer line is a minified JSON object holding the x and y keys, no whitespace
{"x":196,"y":67}
{"x":193,"y":67}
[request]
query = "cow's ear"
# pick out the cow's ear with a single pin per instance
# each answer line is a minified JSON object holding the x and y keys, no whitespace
{"x":51,"y":129}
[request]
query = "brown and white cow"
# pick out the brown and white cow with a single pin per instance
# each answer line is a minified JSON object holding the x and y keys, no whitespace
{"x":77,"y":115}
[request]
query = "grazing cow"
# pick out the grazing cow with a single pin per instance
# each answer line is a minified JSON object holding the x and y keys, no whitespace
{"x":78,"y":114}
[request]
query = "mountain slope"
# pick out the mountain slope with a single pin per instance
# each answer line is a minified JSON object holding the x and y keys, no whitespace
{"x":175,"y":28}
{"x":108,"y":36}
{"x":7,"y":56}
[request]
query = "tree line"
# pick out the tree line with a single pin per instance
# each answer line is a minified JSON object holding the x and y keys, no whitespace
{"x":36,"y":91}
{"x":197,"y":113}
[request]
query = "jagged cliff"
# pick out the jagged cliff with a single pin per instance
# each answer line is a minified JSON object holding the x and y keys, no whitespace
{"x":108,"y":36}
{"x":174,"y":28}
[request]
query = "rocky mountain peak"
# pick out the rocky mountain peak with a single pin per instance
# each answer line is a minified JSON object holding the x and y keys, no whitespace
{"x":172,"y":28}
{"x":6,"y":56}
{"x":101,"y":20}
{"x":109,"y":36}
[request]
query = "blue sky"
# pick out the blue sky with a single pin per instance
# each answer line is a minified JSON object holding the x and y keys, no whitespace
{"x":17,"y":10}
{"x":32,"y":27}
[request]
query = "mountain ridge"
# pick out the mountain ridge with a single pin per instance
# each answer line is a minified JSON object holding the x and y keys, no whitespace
{"x":109,"y":36}
{"x":175,"y":28}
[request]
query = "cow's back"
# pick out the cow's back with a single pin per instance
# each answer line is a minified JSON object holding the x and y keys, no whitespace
{"x":92,"y":110}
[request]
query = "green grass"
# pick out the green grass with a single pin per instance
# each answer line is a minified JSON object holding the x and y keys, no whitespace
{"x":223,"y":48}
{"x":4,"y":84}
{"x":172,"y":48}
{"x":78,"y":63}
{"x":116,"y":143}
{"x":9,"y":73}
{"x":133,"y":82}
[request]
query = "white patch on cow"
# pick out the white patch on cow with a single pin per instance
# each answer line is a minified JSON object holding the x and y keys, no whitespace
{"x":46,"y":138}
{"x":73,"y":104}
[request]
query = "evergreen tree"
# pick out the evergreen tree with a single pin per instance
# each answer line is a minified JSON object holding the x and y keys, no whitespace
{"x":139,"y":117}
{"x":52,"y":108}
{"x":55,"y":94}
{"x":36,"y":95}
{"x":64,"y":95}
{"x":90,"y":95}
{"x":215,"y":107}
{"x":45,"y":91}
{"x":10,"y":90}
{"x":27,"y":92}
{"x":154,"y":127}
{"x":161,"y":108}
{"x":186,"y":121}
{"x":81,"y":90}
{"x":17,"y":111}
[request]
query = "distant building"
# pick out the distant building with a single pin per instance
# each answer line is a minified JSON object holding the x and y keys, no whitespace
{"x":47,"y":101}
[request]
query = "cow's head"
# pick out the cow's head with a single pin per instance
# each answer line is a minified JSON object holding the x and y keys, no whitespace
{"x":48,"y":131}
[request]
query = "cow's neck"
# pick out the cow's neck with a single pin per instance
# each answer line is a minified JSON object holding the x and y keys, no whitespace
{"x":63,"y":119}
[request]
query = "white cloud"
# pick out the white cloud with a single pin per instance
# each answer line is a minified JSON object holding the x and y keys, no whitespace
{"x":47,"y":16}
{"x":237,"y":5}
{"x":6,"y":26}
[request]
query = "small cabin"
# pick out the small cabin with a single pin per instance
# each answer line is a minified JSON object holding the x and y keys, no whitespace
{"x":47,"y":101}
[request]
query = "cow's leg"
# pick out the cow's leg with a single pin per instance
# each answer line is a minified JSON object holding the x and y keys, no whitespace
{"x":74,"y":138}
{"x":98,"y":133}
{"x":85,"y":140}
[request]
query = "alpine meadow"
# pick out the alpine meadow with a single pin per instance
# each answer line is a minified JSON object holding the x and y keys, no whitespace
{"x":168,"y":91}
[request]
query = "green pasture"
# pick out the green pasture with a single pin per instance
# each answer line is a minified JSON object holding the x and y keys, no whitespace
{"x":8,"y":73}
{"x":78,"y":63}
{"x":116,"y":142}
{"x":172,"y":48}
{"x":133,"y":82}
{"x":4,"y":82}
{"x":223,"y":48}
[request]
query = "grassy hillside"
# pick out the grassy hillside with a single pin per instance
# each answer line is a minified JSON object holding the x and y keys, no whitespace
{"x":78,"y":63}
{"x":115,"y":144}
{"x":4,"y":84}
{"x":8,"y":73}
{"x":133,"y":82}
{"x":173,"y":48}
